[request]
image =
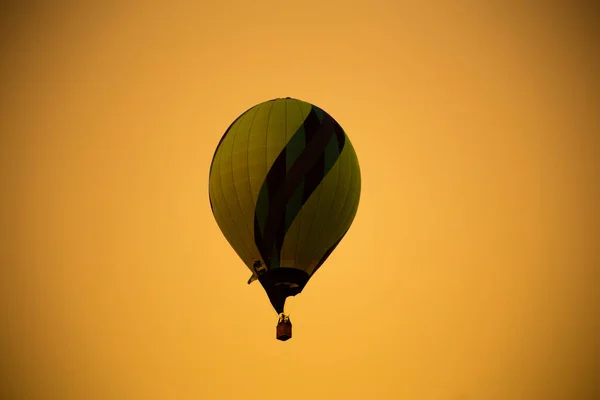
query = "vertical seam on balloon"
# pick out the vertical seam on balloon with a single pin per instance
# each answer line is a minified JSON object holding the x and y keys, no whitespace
{"x":250,"y":230}
{"x":267,"y":142}
{"x":300,"y":213}
{"x":244,"y":245}
{"x":267,"y":156}
{"x":237,"y":199}
{"x":287,"y":141}
{"x":248,"y":162}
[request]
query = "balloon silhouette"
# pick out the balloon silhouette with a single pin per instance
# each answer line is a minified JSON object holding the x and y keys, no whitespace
{"x":284,"y":188}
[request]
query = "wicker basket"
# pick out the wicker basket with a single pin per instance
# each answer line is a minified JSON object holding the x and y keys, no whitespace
{"x":284,"y":331}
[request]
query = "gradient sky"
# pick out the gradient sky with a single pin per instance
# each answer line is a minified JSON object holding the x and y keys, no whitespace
{"x":471,"y":269}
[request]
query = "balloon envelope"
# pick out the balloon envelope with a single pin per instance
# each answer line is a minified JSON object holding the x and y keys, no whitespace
{"x":284,"y":188}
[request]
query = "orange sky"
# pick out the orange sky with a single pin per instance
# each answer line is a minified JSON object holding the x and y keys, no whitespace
{"x":471,"y":269}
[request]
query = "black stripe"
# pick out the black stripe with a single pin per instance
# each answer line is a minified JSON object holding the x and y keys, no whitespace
{"x":276,"y":175}
{"x":273,"y":232}
{"x":311,"y":125}
{"x":275,"y":179}
{"x":315,"y":174}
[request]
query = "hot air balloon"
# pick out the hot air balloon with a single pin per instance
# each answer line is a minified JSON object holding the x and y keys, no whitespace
{"x":284,"y":188}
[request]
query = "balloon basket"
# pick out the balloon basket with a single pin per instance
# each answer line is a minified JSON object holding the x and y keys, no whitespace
{"x":284,"y":330}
